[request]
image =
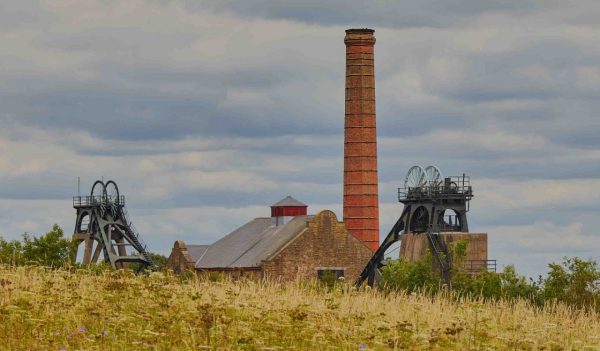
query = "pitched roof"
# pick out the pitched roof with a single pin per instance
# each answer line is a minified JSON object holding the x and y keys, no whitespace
{"x":251,"y":243}
{"x":196,"y":251}
{"x":288,"y":201}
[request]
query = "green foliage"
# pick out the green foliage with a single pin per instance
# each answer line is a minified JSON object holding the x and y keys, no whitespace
{"x":329,"y":279}
{"x":575,"y":281}
{"x":411,"y":276}
{"x":160,"y":261}
{"x":50,"y":249}
{"x":11,"y":252}
{"x":506,"y":285}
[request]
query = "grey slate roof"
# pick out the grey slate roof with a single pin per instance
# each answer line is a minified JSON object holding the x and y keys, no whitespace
{"x":251,"y":243}
{"x":196,"y":251}
{"x":288,"y":201}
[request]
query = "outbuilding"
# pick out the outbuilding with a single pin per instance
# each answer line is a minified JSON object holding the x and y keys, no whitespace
{"x":286,"y":246}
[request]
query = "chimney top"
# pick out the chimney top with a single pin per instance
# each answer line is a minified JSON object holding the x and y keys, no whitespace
{"x":359,"y":37}
{"x":359,"y":31}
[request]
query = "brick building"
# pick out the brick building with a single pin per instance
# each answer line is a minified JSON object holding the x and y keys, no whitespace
{"x":183,"y":257}
{"x":288,"y":245}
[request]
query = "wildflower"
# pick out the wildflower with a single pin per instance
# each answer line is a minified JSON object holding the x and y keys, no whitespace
{"x":82,"y":329}
{"x":362,"y":346}
{"x":105,"y":333}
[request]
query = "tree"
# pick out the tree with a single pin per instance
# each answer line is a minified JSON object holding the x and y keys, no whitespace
{"x":11,"y":252}
{"x":50,"y":249}
{"x":160,"y":261}
{"x":576,"y":281}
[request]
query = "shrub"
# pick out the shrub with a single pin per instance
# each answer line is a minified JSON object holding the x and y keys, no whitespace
{"x":575,"y":281}
{"x":50,"y":249}
{"x":410,"y":276}
{"x":160,"y":262}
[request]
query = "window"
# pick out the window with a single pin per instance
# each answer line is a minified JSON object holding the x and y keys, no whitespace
{"x":323,"y":272}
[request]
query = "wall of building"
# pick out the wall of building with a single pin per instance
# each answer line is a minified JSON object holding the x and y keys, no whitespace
{"x":414,"y":246}
{"x":325,"y":243}
{"x":179,"y":261}
{"x":234,"y":273}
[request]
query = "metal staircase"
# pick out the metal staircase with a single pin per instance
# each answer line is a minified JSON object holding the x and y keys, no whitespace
{"x":136,"y":239}
{"x":440,"y":252}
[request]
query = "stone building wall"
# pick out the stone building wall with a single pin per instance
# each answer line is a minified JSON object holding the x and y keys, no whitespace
{"x":325,"y":243}
{"x":254,"y":273}
{"x":414,"y":246}
{"x":179,"y":261}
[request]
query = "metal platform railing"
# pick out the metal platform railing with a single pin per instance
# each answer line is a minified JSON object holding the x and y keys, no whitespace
{"x":450,"y":187}
{"x":478,"y":266}
{"x":92,"y":201}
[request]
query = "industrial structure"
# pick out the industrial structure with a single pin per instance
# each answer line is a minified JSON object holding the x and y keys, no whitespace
{"x":361,"y":203}
{"x":286,"y":246}
{"x":434,"y":215}
{"x":291,"y":244}
{"x":103,"y":227}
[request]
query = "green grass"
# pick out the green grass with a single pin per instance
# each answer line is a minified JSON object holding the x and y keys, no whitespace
{"x":42,"y":309}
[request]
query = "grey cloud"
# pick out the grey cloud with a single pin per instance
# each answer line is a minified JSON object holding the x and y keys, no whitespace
{"x":430,"y":13}
{"x":205,"y":118}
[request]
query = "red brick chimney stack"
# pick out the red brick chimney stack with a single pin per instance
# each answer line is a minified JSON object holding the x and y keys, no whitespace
{"x":361,"y":204}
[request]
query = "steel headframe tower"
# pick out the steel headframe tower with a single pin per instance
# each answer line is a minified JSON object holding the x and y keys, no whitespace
{"x":432,"y":205}
{"x":104,"y":228}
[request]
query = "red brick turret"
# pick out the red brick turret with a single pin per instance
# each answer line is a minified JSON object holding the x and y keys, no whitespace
{"x":288,"y":207}
{"x":361,"y":205}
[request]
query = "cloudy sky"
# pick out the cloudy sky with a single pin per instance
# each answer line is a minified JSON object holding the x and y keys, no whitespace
{"x":206,"y":112}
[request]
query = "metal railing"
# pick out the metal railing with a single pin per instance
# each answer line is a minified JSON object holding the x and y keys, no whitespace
{"x":91,"y":201}
{"x":456,"y":186}
{"x":134,"y":233}
{"x":478,"y":266}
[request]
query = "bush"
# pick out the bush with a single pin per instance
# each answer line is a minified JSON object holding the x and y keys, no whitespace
{"x":411,"y":276}
{"x":160,"y":261}
{"x":506,"y":285}
{"x":50,"y":249}
{"x":575,"y":281}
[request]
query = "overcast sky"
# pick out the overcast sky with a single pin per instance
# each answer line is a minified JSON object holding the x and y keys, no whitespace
{"x":206,"y":112}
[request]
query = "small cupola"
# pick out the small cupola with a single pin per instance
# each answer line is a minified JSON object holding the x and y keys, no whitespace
{"x":288,"y":207}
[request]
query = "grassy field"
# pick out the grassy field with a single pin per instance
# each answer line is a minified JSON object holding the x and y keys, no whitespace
{"x":83,"y":310}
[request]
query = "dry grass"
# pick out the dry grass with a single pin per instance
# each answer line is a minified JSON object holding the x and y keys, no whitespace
{"x":82,"y":310}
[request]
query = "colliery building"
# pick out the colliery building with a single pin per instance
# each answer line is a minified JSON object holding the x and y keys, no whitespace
{"x":288,"y":245}
{"x":291,"y":244}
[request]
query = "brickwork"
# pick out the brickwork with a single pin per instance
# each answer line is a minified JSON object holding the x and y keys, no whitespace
{"x":324,"y":243}
{"x":235,"y":273}
{"x":179,"y":261}
{"x":414,"y":246}
{"x":361,"y":205}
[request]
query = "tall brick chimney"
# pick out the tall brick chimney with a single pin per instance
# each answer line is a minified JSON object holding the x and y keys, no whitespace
{"x":361,"y":204}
